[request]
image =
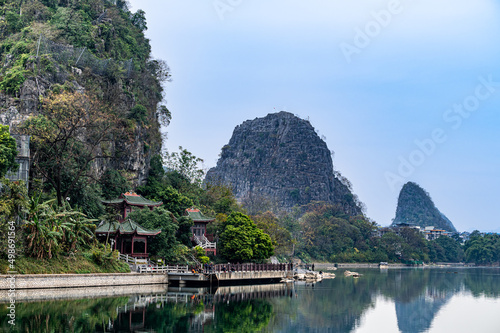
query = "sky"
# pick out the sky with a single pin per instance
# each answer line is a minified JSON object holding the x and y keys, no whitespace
{"x":402,"y":90}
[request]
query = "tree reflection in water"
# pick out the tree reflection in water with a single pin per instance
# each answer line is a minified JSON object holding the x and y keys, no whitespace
{"x":84,"y":315}
{"x":329,"y":306}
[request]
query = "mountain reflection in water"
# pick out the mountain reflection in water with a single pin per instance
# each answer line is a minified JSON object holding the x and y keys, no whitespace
{"x":337,"y":305}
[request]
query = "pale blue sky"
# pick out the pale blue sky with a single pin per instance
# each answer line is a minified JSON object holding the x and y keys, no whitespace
{"x":373,"y":77}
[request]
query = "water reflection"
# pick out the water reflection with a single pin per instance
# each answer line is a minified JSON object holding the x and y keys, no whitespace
{"x":336,"y":305}
{"x":225,"y":309}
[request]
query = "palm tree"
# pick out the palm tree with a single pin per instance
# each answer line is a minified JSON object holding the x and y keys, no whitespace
{"x":51,"y":229}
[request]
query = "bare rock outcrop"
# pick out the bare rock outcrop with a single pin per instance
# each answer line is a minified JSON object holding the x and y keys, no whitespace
{"x":281,"y":159}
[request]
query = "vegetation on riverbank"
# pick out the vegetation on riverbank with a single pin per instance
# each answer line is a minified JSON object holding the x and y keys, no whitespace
{"x":78,"y":264}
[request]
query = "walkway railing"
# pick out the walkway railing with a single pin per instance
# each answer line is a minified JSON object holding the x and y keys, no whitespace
{"x":247,"y":268}
{"x":163,"y":269}
{"x":144,"y":266}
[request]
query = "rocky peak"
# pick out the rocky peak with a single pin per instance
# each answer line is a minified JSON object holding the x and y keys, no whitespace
{"x":415,"y":206}
{"x":280,"y":158}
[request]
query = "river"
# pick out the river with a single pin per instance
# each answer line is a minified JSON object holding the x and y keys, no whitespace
{"x":412,"y":300}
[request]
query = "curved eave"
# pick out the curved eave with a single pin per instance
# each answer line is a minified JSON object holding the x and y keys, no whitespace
{"x":154,"y":233}
{"x":120,"y":232}
{"x":156,"y":204}
{"x":204,"y":221}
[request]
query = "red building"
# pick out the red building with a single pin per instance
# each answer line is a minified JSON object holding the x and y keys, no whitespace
{"x":199,"y":230}
{"x":125,"y":235}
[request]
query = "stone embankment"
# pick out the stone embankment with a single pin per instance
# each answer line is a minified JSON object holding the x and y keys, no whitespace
{"x":42,"y":281}
{"x":34,"y":295}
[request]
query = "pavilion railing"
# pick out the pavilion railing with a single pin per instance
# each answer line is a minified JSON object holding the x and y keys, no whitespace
{"x":132,"y":260}
{"x":204,"y":242}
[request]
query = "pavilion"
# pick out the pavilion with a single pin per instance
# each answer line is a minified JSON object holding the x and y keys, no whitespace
{"x":125,"y":235}
{"x":199,"y":230}
{"x":128,"y":201}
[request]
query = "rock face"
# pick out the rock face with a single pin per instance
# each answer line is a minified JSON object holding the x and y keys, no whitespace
{"x":415,"y":206}
{"x":280,"y":158}
{"x":134,"y":160}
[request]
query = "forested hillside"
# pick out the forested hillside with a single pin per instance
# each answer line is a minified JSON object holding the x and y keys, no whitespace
{"x":78,"y":79}
{"x":66,"y":59}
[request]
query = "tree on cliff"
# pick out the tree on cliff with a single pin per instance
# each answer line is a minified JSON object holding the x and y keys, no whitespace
{"x":69,"y":134}
{"x":8,"y":151}
{"x":242,"y":241}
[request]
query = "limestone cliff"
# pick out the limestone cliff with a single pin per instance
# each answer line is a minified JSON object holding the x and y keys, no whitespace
{"x":92,"y":46}
{"x":280,"y":158}
{"x":415,"y":206}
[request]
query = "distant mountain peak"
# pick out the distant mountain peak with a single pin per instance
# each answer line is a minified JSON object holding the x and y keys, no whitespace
{"x":415,"y":206}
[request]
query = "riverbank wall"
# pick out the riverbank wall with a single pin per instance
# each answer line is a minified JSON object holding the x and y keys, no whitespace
{"x":54,"y":294}
{"x":46,"y":281}
{"x":226,"y":278}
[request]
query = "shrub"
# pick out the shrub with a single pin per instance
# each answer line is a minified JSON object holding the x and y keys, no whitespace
{"x":13,"y":80}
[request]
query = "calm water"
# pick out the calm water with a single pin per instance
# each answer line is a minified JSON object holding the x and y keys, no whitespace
{"x":394,"y":300}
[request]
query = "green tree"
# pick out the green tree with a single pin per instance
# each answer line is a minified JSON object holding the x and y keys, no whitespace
{"x":139,"y":113}
{"x":165,"y":244}
{"x":113,"y":184}
{"x":392,"y":244}
{"x":74,"y":25}
{"x":52,"y":229}
{"x":184,"y":232}
{"x":327,"y":230}
{"x":242,"y":241}
{"x":139,"y":20}
{"x":67,"y":137}
{"x":270,"y":224}
{"x":482,"y":249}
{"x":186,"y":164}
{"x":242,"y":317}
{"x":13,"y":203}
{"x":8,"y":151}
{"x":447,"y":249}
{"x":413,"y":245}
{"x":220,"y":198}
{"x":173,"y":200}
{"x":172,"y":188}
{"x":155,"y":180}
